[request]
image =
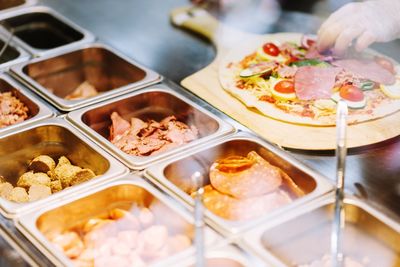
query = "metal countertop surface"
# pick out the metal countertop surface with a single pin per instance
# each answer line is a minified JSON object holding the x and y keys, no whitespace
{"x":142,"y":31}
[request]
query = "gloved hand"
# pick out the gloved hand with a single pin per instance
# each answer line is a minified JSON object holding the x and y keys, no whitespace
{"x":364,"y":22}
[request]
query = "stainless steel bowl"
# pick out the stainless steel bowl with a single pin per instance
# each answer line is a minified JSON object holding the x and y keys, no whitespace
{"x":41,"y":30}
{"x":37,"y":109}
{"x":150,"y":103}
{"x":174,"y":176}
{"x":53,"y":137}
{"x":122,"y":193}
{"x":110,"y":72}
{"x":304,"y":236}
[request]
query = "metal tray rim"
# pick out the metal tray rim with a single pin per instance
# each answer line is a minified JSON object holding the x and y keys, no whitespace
{"x":251,"y":239}
{"x":44,"y":111}
{"x":12,"y":210}
{"x":87,"y":36}
{"x":70,"y":105}
{"x":135,"y":162}
{"x":26,"y":223}
{"x":155,"y":174}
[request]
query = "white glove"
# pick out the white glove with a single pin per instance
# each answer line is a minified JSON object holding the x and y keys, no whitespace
{"x":365,"y":22}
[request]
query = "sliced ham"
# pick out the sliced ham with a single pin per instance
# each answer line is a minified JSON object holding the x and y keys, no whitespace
{"x":367,"y":69}
{"x":312,"y":82}
{"x":287,"y":71}
{"x":313,"y":53}
{"x":119,"y":126}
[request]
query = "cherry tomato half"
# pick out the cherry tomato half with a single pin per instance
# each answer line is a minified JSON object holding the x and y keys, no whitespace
{"x":351,"y":93}
{"x":271,"y":49}
{"x":284,"y":87}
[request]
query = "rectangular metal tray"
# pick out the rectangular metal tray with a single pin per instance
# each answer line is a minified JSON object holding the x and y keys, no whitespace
{"x":55,"y":76}
{"x":174,"y":176}
{"x":150,"y":103}
{"x":38,"y":110}
{"x":120,"y":193}
{"x":41,"y":31}
{"x":368,"y":236}
{"x":53,"y":137}
{"x":12,"y":55}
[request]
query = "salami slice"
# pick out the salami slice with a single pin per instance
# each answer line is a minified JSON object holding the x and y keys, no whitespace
{"x":367,"y":69}
{"x":315,"y":82}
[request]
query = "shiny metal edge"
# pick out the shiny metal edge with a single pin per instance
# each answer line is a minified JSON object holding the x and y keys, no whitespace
{"x":13,"y":210}
{"x":156,"y":175}
{"x":87,"y":36}
{"x":226,"y":252}
{"x":138,"y":163}
{"x":70,"y":105}
{"x":23,"y":55}
{"x":26,"y":4}
{"x":26,"y":224}
{"x":19,"y":250}
{"x":44,"y":111}
{"x":251,"y":239}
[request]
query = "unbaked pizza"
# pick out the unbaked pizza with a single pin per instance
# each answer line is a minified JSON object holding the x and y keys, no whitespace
{"x":288,"y":79}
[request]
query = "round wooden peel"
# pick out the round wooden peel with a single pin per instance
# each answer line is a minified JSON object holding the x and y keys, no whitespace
{"x":205,"y":83}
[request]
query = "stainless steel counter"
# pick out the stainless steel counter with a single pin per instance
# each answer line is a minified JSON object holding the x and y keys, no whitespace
{"x":141,"y":30}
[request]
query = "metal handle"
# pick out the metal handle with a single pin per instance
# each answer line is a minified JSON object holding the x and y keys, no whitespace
{"x":339,"y":215}
{"x":197,"y":180}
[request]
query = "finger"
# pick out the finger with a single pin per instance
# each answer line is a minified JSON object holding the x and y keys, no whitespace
{"x":345,"y":38}
{"x":344,"y":12}
{"x":327,"y":38}
{"x":365,"y":40}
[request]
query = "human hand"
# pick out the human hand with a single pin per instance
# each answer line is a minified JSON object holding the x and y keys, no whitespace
{"x":365,"y":23}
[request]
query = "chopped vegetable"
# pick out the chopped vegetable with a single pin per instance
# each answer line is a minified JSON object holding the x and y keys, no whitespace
{"x":310,"y":62}
{"x":262,"y":68}
{"x":271,"y":49}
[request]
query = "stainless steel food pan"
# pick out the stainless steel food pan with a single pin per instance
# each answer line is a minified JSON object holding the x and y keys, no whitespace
{"x":370,"y":237}
{"x":150,"y":103}
{"x":53,"y":137}
{"x":37,"y":109}
{"x":12,"y":55}
{"x":41,"y":30}
{"x":174,"y":176}
{"x":111,"y":73}
{"x":125,"y":193}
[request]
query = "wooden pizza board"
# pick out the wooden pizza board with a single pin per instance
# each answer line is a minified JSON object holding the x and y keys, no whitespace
{"x":205,"y":84}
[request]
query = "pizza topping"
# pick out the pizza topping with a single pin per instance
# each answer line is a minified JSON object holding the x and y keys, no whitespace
{"x":271,"y":49}
{"x":282,"y":89}
{"x":325,"y":104}
{"x":307,"y":41}
{"x":285,"y":87}
{"x":386,"y":64}
{"x":267,"y":98}
{"x":313,"y":82}
{"x":262,"y":68}
{"x":366,"y":69}
{"x":392,"y":91}
{"x":351,"y":93}
{"x":311,"y":62}
{"x":287,"y":71}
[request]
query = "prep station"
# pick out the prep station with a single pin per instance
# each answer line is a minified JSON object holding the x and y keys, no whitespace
{"x":79,"y":66}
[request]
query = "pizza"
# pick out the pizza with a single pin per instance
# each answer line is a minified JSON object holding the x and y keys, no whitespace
{"x":286,"y":78}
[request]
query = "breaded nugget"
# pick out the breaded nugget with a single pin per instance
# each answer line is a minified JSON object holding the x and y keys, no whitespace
{"x":19,"y":194}
{"x":42,"y":163}
{"x":29,"y":178}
